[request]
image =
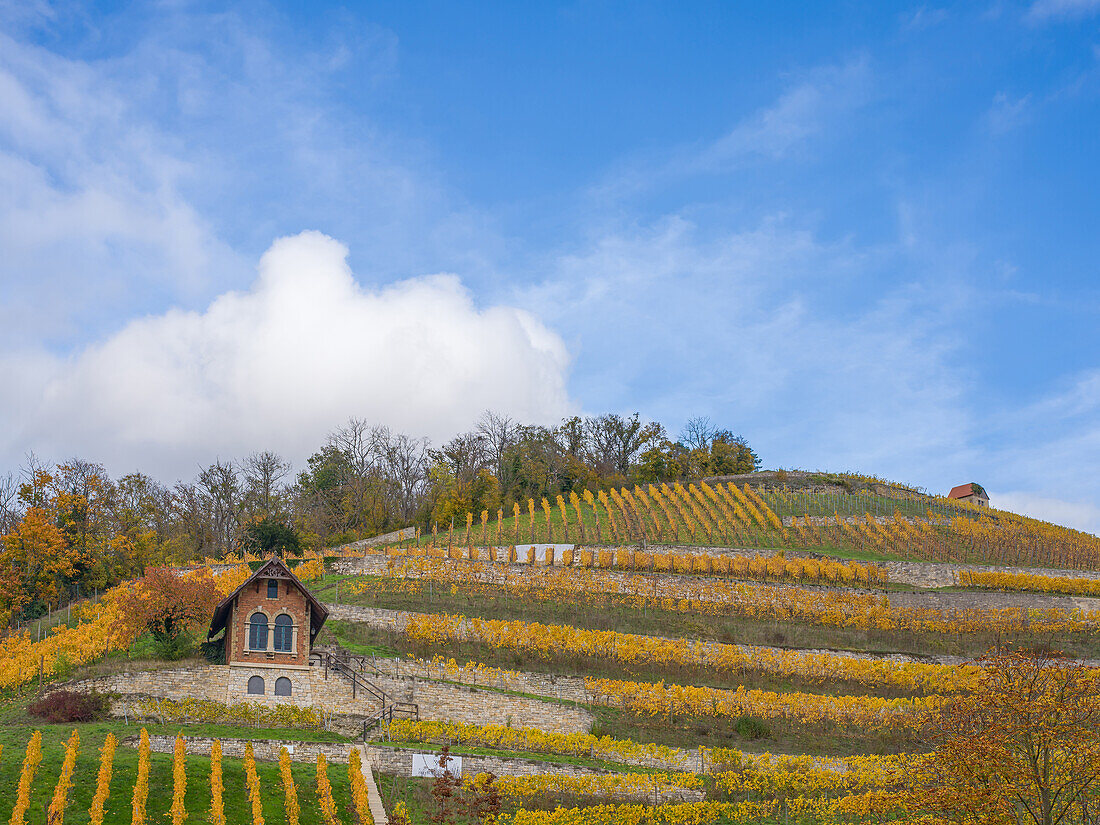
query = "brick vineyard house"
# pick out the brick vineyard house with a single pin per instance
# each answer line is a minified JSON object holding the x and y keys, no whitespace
{"x":972,"y":493}
{"x":270,"y":622}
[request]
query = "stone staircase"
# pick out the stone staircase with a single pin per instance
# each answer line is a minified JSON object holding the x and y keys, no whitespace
{"x":355,"y":669}
{"x":374,"y":799}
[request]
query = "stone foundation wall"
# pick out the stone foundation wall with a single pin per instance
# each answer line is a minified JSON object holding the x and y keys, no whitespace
{"x":207,"y":682}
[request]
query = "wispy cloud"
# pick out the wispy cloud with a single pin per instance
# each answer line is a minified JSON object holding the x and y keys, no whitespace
{"x":1008,"y":113}
{"x":814,"y":104}
{"x":742,"y":326}
{"x":1045,"y":10}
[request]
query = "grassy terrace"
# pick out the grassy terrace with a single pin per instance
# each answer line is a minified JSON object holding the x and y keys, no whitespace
{"x":612,"y":612}
{"x":14,"y":737}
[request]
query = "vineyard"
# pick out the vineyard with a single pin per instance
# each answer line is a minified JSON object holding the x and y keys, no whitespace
{"x":726,"y":515}
{"x":740,"y":654}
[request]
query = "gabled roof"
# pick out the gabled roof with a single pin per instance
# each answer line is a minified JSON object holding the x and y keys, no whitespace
{"x":273,"y":568}
{"x":964,"y":490}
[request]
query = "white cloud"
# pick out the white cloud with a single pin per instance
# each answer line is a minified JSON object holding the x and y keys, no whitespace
{"x":279,"y":365}
{"x":768,"y":331}
{"x":1080,"y":515}
{"x":1042,"y":10}
{"x":152,"y":174}
{"x":818,"y":102}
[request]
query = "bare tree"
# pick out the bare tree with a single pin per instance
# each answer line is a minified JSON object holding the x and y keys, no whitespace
{"x":363,"y":447}
{"x":615,"y":441}
{"x":220,"y":491}
{"x":406,"y":461}
{"x":10,"y":512}
{"x":31,"y":490}
{"x":262,"y":473}
{"x":499,"y":432}
{"x":698,"y":433}
{"x":463,"y":455}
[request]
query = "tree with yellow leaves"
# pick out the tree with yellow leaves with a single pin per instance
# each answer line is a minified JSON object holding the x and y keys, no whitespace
{"x":1023,"y":748}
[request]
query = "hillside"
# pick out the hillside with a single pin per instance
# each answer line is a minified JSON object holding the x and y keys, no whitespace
{"x":733,"y":650}
{"x":833,"y":514}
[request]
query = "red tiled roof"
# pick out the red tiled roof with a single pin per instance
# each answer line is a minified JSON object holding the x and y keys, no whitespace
{"x":962,"y":491}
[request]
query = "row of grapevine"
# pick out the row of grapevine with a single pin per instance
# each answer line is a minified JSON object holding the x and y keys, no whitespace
{"x":555,"y":642}
{"x":753,"y":568}
{"x":1029,"y":582}
{"x":178,"y":813}
{"x":848,"y":774}
{"x":748,"y":812}
{"x":834,"y":608}
{"x":732,"y":516}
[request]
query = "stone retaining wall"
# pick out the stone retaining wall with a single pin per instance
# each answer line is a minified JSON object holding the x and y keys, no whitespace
{"x":436,"y":700}
{"x":391,"y":760}
{"x":919,"y":574}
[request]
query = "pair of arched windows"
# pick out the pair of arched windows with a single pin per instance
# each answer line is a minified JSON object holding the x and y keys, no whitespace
{"x":283,"y":637}
{"x":256,"y":686}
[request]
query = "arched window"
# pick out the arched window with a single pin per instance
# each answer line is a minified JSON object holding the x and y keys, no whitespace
{"x":256,"y":685}
{"x":257,"y":632}
{"x":282,"y":686}
{"x":273,"y":588}
{"x":284,"y":630}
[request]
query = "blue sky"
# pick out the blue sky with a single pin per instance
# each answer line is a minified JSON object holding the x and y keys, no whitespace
{"x":862,"y":234}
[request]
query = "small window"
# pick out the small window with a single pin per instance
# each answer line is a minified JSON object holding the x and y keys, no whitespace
{"x":284,"y":633}
{"x":282,"y":686}
{"x":256,"y":685}
{"x":273,"y":588}
{"x":257,"y":632}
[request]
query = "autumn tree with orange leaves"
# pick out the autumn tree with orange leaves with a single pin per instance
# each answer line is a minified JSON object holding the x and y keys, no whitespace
{"x":1024,"y":748}
{"x":169,"y":606}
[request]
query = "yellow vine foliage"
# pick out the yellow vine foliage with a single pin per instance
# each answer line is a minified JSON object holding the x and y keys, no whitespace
{"x":253,"y":782}
{"x":659,"y":699}
{"x":31,"y":761}
{"x":141,"y":783}
{"x":748,"y":812}
{"x":290,"y":792}
{"x":56,"y":813}
{"x":1070,"y":586}
{"x":103,"y":780}
{"x":324,"y":792}
{"x":548,"y":642}
{"x":358,"y":788}
{"x":87,"y":640}
{"x":179,"y":781}
{"x":217,"y":789}
{"x":628,"y":785}
{"x":832,"y":608}
{"x":229,"y":580}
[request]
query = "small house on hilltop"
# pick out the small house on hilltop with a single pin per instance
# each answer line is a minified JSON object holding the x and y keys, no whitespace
{"x":270,"y":622}
{"x":972,"y":493}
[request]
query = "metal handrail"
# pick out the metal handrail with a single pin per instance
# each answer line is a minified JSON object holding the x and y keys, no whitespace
{"x":342,"y":662}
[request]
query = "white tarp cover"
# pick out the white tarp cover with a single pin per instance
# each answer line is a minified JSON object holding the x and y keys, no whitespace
{"x":540,"y":551}
{"x":427,"y":765}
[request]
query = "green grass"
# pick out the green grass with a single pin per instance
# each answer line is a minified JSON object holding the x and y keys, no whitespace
{"x":197,"y":800}
{"x":526,"y":529}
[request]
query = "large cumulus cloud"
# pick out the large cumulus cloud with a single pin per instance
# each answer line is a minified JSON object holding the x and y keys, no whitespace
{"x":279,"y":365}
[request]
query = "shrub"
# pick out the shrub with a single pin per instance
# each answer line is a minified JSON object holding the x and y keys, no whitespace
{"x":70,"y":706}
{"x":214,"y":651}
{"x":750,"y":727}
